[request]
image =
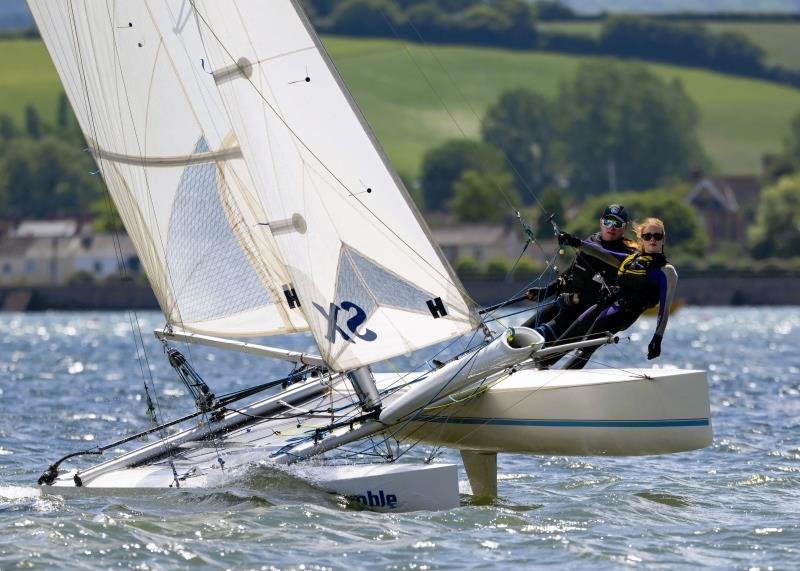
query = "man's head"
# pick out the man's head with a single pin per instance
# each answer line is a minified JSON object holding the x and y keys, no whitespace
{"x":613,"y":223}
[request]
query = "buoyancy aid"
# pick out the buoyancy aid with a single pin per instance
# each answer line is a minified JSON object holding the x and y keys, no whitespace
{"x":632,"y":278}
{"x":579,"y":277}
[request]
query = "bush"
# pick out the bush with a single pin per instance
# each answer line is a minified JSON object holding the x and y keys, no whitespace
{"x":497,"y":269}
{"x":527,"y":270}
{"x":468,"y":269}
{"x":483,"y":197}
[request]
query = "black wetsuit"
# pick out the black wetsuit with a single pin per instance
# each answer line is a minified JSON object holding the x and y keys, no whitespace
{"x":576,"y":291}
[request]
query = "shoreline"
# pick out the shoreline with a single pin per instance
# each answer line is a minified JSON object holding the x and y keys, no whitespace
{"x":692,"y":290}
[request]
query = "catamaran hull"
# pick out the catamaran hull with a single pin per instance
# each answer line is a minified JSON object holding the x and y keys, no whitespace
{"x":382,"y":487}
{"x":589,"y":412}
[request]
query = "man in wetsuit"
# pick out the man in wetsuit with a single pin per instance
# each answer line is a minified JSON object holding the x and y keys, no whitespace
{"x":579,"y":288}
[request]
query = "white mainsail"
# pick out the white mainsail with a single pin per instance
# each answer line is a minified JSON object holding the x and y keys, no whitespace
{"x":254,"y":191}
{"x":156,"y":125}
{"x":372,"y":283}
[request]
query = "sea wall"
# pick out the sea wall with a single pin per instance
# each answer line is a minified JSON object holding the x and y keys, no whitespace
{"x":115,"y":297}
{"x":694,"y":290}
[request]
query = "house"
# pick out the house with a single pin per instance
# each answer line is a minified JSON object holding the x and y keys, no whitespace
{"x":45,"y":229}
{"x":103,"y":256}
{"x":725,"y":205}
{"x":55,"y":252}
{"x":12,"y":260}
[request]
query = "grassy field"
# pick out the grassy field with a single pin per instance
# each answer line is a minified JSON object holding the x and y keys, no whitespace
{"x":779,"y":40}
{"x":417,"y":97}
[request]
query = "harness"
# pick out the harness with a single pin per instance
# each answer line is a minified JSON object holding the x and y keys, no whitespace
{"x":632,"y":279}
{"x":580,"y":276}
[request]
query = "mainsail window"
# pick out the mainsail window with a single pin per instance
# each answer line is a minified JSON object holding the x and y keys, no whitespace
{"x":201,"y":243}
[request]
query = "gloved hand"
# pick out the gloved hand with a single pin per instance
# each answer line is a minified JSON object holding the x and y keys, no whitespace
{"x":569,"y":299}
{"x":654,"y":348}
{"x":568,"y":239}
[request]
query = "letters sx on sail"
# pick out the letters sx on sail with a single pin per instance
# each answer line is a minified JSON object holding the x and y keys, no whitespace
{"x":252,"y":188}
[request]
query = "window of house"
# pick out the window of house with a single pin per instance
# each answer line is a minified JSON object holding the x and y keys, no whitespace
{"x":7,"y":268}
{"x":30,"y":267}
{"x":97,"y":266}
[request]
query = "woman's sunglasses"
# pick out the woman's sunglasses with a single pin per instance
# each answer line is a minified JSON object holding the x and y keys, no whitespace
{"x":613,"y":223}
{"x":657,"y":236}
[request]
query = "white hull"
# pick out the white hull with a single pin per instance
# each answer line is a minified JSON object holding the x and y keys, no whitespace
{"x":382,"y":487}
{"x":588,"y":412}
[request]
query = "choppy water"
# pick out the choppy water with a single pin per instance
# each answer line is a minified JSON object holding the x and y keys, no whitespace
{"x":70,"y":380}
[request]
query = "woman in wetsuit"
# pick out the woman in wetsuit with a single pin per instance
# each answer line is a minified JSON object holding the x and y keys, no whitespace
{"x":645,"y":279}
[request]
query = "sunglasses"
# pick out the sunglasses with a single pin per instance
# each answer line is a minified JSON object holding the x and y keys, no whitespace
{"x":613,"y":223}
{"x":657,"y":236}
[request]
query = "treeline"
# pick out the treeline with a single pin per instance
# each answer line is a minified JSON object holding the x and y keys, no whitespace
{"x":45,"y":171}
{"x":503,"y":23}
{"x":513,"y":24}
{"x":684,"y":43}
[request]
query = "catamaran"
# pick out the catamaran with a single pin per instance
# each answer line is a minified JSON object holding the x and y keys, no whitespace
{"x":261,"y":204}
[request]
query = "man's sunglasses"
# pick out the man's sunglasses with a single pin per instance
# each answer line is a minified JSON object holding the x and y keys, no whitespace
{"x":613,"y":223}
{"x":657,"y":236}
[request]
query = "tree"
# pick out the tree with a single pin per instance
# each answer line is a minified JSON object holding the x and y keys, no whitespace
{"x":776,"y":231}
{"x":47,"y":178}
{"x":427,"y":22}
{"x":791,"y":144}
{"x":7,"y":128}
{"x":33,"y":125}
{"x":365,"y":17}
{"x":483,"y":197}
{"x":551,"y":202}
{"x":553,"y":10}
{"x":521,"y":124}
{"x":627,"y":129}
{"x":444,"y":165}
{"x":63,"y":112}
{"x":685,"y":233}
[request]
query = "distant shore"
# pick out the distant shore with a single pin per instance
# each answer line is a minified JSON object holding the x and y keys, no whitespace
{"x":694,"y":290}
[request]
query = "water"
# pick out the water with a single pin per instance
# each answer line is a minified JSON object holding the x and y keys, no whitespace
{"x":72,"y":380}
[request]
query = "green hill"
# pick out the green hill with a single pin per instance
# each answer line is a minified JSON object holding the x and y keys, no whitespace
{"x":415,"y":97}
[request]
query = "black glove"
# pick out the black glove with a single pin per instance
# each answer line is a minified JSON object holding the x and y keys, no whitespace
{"x":569,"y":299}
{"x":654,"y":348}
{"x":568,"y":239}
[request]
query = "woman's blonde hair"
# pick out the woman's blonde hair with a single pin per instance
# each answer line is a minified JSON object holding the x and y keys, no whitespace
{"x":639,"y":227}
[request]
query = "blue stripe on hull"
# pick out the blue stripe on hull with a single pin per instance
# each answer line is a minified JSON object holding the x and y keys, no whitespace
{"x":674,"y":422}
